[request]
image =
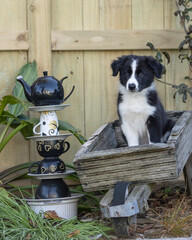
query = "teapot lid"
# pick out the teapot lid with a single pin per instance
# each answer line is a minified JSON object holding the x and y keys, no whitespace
{"x":47,"y":77}
{"x":45,"y":73}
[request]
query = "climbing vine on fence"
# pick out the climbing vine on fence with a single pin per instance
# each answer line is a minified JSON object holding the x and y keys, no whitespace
{"x":184,"y":12}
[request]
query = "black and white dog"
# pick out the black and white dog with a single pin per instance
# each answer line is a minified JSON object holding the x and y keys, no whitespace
{"x":139,"y":108}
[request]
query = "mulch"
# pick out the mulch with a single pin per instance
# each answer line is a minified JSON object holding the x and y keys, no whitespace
{"x":169,"y":215}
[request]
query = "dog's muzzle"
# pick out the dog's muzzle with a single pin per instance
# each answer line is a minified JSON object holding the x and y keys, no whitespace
{"x":132,"y":87}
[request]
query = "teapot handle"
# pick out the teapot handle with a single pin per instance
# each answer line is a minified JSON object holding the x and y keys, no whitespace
{"x":69,"y":94}
{"x":68,"y":146}
{"x":35,"y":163}
{"x":62,"y":79}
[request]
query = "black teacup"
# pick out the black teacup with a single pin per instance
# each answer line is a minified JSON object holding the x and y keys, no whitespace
{"x":52,"y":148}
{"x":48,"y":165}
{"x":52,"y":188}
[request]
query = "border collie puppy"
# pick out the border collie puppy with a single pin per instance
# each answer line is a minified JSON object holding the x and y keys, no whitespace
{"x":139,"y":108}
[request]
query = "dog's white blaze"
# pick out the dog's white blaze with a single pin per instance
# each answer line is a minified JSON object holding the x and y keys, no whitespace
{"x":134,"y":111}
{"x":132,"y":79}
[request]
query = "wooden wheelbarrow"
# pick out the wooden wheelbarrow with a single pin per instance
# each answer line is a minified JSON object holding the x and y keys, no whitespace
{"x":105,"y":162}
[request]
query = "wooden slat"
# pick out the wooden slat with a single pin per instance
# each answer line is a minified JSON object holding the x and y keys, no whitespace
{"x":39,"y":26}
{"x":115,"y":39}
{"x":96,"y":40}
{"x":12,"y":25}
{"x":100,"y":167}
{"x":13,"y":40}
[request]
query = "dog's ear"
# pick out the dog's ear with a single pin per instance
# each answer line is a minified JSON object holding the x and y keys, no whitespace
{"x":116,"y":66}
{"x":156,"y":66}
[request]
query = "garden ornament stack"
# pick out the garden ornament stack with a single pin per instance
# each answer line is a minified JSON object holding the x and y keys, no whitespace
{"x":47,"y":94}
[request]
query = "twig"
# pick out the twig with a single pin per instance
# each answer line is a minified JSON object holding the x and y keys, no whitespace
{"x":172,"y":85}
{"x":182,"y":20}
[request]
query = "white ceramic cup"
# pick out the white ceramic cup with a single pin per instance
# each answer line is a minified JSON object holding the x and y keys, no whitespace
{"x":48,"y":124}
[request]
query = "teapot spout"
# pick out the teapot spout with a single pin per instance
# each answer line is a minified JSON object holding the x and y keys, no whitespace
{"x":26,"y":87}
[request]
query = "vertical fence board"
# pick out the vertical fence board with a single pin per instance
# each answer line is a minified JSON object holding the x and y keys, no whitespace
{"x":92,"y":70}
{"x":12,"y":17}
{"x":149,"y":16}
{"x":67,"y":15}
{"x":39,"y":26}
{"x":71,"y":64}
{"x":176,"y":71}
{"x":93,"y":102}
{"x":113,"y":15}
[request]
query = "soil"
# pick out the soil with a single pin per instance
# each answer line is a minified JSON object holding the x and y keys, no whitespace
{"x":169,"y":215}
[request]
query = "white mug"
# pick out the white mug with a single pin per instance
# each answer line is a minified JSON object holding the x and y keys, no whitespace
{"x":48,"y":124}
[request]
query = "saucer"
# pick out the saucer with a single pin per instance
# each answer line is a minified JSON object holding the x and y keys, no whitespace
{"x":48,"y":107}
{"x":53,"y":137}
{"x":51,"y":175}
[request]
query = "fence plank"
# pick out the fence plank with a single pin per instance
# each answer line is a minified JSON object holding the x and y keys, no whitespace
{"x":12,"y":25}
{"x":115,"y":39}
{"x":92,"y":70}
{"x":176,"y":71}
{"x":14,"y":40}
{"x":39,"y":25}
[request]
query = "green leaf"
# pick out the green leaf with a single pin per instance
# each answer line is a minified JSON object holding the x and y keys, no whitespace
{"x":187,"y":78}
{"x":151,"y":46}
{"x":3,"y":192}
{"x":29,"y":73}
{"x":68,"y":127}
{"x":181,"y":45}
{"x":184,"y":98}
{"x":166,"y":54}
{"x":177,"y":12}
{"x":159,"y":56}
{"x":9,"y":99}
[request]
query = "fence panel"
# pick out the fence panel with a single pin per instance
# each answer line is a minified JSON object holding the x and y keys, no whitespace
{"x":80,"y":39}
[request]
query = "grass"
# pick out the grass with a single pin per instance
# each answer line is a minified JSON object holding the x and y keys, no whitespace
{"x":18,"y":221}
{"x":176,"y":222}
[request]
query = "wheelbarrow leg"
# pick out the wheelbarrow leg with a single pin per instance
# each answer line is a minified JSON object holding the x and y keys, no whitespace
{"x":125,"y":214}
{"x":123,"y":225}
{"x":188,"y":175}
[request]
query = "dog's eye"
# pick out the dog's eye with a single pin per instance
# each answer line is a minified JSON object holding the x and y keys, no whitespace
{"x":140,"y":74}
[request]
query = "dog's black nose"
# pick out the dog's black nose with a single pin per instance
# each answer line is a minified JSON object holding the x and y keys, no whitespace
{"x":132,"y":86}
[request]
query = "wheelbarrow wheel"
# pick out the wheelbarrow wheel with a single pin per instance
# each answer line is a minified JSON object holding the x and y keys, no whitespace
{"x":121,"y":226}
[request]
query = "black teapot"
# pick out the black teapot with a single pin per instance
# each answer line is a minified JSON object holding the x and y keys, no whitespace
{"x":46,"y":90}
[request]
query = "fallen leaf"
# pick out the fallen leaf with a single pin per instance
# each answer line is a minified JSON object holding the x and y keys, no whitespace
{"x":51,"y":214}
{"x":73,"y":233}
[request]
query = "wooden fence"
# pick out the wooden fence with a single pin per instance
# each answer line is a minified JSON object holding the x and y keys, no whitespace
{"x":79,"y":39}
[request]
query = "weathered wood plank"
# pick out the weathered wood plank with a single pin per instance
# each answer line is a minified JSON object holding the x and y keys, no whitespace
{"x":104,"y":173}
{"x":39,"y":26}
{"x":114,"y":39}
{"x":181,"y":137}
{"x":101,"y":169}
{"x":188,"y":175}
{"x":14,"y":40}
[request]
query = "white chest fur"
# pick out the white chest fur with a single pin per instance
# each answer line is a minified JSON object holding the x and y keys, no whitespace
{"x":134,"y":111}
